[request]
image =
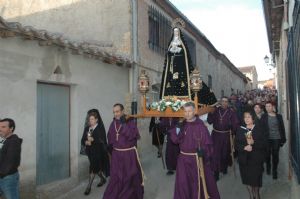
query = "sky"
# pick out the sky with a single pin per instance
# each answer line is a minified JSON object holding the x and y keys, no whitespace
{"x":235,"y":27}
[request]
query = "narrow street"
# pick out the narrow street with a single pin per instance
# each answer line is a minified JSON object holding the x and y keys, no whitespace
{"x":70,"y":70}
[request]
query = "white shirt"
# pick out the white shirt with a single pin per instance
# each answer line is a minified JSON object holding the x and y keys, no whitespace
{"x":2,"y":140}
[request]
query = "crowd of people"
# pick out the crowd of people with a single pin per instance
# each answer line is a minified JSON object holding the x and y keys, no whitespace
{"x":246,"y":127}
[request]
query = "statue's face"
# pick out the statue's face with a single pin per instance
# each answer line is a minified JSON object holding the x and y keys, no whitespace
{"x":176,"y":32}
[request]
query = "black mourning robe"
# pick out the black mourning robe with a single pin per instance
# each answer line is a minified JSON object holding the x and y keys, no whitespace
{"x":251,"y":163}
{"x":175,"y":77}
{"x":97,"y":152}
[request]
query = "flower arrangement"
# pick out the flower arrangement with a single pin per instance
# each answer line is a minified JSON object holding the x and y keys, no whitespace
{"x":173,"y":103}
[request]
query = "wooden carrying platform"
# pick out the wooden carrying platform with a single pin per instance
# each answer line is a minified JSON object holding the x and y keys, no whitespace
{"x":169,"y":112}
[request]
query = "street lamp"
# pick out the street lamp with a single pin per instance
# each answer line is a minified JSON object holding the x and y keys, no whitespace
{"x":269,"y":61}
{"x":144,"y":83}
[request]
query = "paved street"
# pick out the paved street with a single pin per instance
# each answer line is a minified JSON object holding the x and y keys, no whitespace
{"x":160,"y":186}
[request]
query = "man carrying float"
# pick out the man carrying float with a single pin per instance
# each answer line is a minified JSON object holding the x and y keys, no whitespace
{"x":181,"y":87}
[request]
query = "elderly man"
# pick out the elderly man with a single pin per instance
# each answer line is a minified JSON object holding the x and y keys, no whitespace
{"x":194,"y":177}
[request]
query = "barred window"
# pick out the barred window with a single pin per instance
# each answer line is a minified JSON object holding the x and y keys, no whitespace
{"x":159,"y":31}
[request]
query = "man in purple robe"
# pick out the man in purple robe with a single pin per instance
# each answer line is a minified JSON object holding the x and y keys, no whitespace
{"x":172,"y":150}
{"x":225,"y":122}
{"x":194,"y":177}
{"x":126,"y":174}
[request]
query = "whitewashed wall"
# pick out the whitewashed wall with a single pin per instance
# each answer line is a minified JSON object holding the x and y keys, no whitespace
{"x":94,"y":84}
{"x":92,"y":20}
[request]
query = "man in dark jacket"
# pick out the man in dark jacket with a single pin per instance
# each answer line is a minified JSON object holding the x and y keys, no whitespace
{"x":10,"y":157}
{"x":275,"y":133}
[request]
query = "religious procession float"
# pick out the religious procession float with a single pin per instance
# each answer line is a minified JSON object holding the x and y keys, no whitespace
{"x":181,"y":82}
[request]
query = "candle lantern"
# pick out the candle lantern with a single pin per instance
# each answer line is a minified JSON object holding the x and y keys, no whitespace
{"x":196,"y":82}
{"x":143,"y":82}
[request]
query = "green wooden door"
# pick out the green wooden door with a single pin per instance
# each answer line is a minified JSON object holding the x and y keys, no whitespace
{"x":53,"y":133}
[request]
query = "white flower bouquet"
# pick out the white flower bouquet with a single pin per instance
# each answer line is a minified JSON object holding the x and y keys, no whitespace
{"x":162,"y":105}
{"x":174,"y":104}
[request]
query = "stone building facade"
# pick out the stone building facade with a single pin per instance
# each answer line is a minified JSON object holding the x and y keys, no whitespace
{"x":251,"y":73}
{"x":25,"y":68}
{"x":283,"y":30}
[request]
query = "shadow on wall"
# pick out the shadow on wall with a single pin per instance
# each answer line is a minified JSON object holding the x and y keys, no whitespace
{"x":91,"y":21}
{"x":81,"y":21}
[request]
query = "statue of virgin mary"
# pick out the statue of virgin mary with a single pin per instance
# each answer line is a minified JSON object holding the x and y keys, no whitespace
{"x":176,"y":73}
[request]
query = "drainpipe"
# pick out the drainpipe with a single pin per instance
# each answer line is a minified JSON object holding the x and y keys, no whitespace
{"x":285,"y":15}
{"x":134,"y":68}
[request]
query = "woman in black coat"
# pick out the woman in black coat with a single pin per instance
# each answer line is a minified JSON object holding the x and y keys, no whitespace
{"x":94,"y":139}
{"x":250,"y":144}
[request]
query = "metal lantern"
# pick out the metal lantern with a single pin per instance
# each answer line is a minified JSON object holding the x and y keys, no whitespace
{"x":196,"y":82}
{"x":143,"y":82}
